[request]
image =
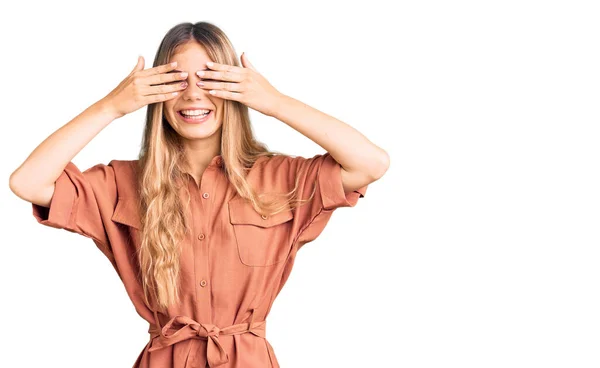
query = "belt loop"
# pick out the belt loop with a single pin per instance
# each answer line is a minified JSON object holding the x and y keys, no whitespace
{"x":251,"y":318}
{"x":157,"y":321}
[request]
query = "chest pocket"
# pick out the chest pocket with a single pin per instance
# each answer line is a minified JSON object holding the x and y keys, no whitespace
{"x":261,"y":240}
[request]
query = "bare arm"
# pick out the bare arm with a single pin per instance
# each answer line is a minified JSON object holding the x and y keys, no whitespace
{"x":362,"y":161}
{"x":34,"y":180}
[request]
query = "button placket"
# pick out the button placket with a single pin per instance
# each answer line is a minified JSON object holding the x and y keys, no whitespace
{"x":205,"y":208}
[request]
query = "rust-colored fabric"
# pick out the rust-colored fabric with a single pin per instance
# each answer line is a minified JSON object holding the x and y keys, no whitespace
{"x":233,"y":264}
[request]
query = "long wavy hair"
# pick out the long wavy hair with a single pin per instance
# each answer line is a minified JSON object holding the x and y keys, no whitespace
{"x":161,"y":170}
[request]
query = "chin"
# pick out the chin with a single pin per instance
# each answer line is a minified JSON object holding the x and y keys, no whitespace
{"x":198,"y":132}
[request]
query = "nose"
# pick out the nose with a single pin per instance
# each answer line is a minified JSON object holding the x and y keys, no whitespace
{"x":193,"y":91}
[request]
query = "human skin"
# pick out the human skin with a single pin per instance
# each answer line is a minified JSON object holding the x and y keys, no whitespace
{"x":34,"y":180}
{"x":201,"y":142}
{"x":362,"y":161}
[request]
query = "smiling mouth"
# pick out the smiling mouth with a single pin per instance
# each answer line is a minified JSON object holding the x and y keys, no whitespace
{"x":195,"y":118}
{"x":195,"y":115}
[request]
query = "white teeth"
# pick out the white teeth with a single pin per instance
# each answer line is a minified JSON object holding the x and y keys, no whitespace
{"x":195,"y":112}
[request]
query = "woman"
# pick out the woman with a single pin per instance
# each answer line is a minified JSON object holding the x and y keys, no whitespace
{"x":204,"y":227}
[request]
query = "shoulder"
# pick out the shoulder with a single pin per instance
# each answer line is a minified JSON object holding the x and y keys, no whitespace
{"x":281,"y":171}
{"x":283,"y":162}
{"x":292,"y":165}
{"x":272,"y":167}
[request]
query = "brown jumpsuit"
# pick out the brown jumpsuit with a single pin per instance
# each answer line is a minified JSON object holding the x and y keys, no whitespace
{"x":234,"y":263}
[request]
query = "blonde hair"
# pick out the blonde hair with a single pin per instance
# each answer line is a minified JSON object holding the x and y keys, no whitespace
{"x":161,"y":175}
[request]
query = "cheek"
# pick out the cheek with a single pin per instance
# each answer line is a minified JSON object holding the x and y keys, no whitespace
{"x":168,"y":110}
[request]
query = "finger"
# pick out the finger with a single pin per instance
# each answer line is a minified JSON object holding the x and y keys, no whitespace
{"x":235,"y":87}
{"x":162,"y":88}
{"x":246,"y":62}
{"x":224,"y":67}
{"x":158,"y":69}
{"x":168,"y":77}
{"x":160,"y":97}
{"x":226,"y":75}
{"x":226,"y":94}
{"x":139,"y":66}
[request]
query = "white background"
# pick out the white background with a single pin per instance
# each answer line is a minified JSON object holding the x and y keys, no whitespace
{"x":478,"y":248}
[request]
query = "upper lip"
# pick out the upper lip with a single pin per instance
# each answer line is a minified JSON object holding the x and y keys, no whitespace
{"x":195,"y":108}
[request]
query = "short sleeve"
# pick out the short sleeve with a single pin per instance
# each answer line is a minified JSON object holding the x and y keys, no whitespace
{"x":321,"y":173}
{"x":82,"y":202}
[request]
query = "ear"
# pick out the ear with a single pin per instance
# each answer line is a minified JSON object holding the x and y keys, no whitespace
{"x":246,"y":63}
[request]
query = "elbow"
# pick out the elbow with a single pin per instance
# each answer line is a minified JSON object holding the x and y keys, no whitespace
{"x":14,"y":185}
{"x":23,"y":187}
{"x":381,"y":165}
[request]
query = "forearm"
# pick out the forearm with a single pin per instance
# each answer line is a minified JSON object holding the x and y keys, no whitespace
{"x":347,"y":145}
{"x":47,"y":161}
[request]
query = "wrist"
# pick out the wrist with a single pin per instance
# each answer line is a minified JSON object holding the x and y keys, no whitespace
{"x":107,"y":109}
{"x":278,"y":104}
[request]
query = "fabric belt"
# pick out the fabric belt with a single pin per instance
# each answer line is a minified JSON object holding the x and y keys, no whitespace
{"x":180,"y":328}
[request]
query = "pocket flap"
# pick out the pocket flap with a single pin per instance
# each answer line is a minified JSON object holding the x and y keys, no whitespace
{"x":241,"y":212}
{"x":127,"y":213}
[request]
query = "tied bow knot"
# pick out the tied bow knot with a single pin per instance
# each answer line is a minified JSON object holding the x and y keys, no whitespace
{"x":180,"y":328}
{"x":211,"y":330}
